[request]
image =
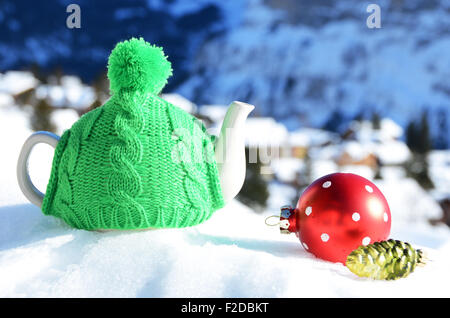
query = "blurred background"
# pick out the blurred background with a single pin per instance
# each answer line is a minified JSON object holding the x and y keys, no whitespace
{"x":330,"y":93}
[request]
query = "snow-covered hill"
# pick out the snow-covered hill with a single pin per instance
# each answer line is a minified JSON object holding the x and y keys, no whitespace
{"x":234,"y":254}
{"x":35,"y":33}
{"x":299,"y":61}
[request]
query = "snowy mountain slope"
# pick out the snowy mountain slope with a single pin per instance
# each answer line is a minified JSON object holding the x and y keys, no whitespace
{"x":36,"y":32}
{"x":301,"y":71}
{"x":234,"y":254}
{"x":298,"y":61}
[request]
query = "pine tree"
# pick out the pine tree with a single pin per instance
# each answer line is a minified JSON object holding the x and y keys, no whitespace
{"x":412,"y":136}
{"x":41,"y":117}
{"x":335,"y":122}
{"x":378,"y":175}
{"x":419,"y":141}
{"x":254,"y":192}
{"x":417,"y":168}
{"x":359,"y":116}
{"x":425,"y":136}
{"x":376,"y":121}
{"x":57,"y":74}
{"x":101,"y":88}
{"x":442,"y":139}
{"x":418,"y":136}
{"x":38,"y":73}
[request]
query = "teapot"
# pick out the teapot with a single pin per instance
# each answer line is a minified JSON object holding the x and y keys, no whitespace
{"x":139,"y":162}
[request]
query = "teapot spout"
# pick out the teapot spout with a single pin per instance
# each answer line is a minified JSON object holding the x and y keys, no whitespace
{"x":230,"y":149}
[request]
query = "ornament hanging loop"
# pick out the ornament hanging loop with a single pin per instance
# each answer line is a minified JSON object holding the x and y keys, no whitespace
{"x":266,"y":221}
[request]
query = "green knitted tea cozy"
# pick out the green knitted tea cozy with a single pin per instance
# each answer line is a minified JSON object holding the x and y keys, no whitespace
{"x":137,"y":161}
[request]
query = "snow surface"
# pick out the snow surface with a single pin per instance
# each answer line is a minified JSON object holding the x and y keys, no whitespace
{"x":264,"y":132}
{"x":234,"y":254}
{"x":64,"y":118}
{"x":180,"y":101}
{"x":286,"y":169}
{"x":15,"y":82}
{"x":70,"y":93}
{"x":310,"y":137}
{"x":6,"y":99}
{"x":215,"y":112}
{"x":384,"y":143}
{"x":439,"y":162}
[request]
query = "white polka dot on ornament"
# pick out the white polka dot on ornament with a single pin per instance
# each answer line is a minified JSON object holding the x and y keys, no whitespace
{"x":366,"y":241}
{"x":385,"y":217}
{"x":308,"y":210}
{"x":326,"y":184}
{"x":305,"y":246}
{"x":324,"y":237}
{"x":369,"y":189}
{"x":356,"y":217}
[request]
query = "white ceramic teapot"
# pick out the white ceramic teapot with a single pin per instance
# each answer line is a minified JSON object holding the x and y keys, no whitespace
{"x":118,"y":166}
{"x":229,"y":154}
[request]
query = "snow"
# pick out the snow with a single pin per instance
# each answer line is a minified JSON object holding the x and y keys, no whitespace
{"x":180,"y":101}
{"x":15,"y":82}
{"x":439,"y":162}
{"x":310,"y":137}
{"x":286,"y":169}
{"x":233,"y":254}
{"x":70,"y":93}
{"x":365,"y":132}
{"x":264,"y":132}
{"x":392,"y":152}
{"x":64,"y":119}
{"x":409,"y":203}
{"x":382,"y":144}
{"x":363,"y":171}
{"x":321,"y":58}
{"x":6,"y":99}
{"x":280,"y":194}
{"x":215,"y":112}
{"x":321,"y":167}
{"x":390,"y":129}
{"x":179,"y":263}
{"x":357,"y":151}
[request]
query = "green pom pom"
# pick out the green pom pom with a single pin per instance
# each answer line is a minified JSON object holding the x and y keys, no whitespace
{"x":135,"y":65}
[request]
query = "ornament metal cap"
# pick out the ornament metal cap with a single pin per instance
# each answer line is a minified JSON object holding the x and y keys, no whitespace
{"x":287,"y":220}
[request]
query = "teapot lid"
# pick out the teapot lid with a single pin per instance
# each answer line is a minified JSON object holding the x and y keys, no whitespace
{"x":136,"y":65}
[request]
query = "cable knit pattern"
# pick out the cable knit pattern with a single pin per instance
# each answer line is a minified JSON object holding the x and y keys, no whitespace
{"x":125,"y":183}
{"x":115,"y":168}
{"x":190,"y":149}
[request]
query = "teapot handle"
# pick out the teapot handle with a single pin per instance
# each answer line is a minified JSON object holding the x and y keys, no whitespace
{"x":26,"y":185}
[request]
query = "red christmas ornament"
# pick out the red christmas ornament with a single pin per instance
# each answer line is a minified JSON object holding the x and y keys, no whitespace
{"x":336,"y":214}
